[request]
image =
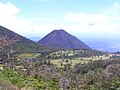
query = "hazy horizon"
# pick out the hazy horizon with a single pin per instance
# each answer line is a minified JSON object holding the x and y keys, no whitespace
{"x":103,"y":44}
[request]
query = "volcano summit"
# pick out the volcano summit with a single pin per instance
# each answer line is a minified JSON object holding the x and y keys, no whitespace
{"x":62,"y":39}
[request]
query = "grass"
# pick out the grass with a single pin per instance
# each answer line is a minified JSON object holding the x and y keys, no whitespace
{"x":75,"y":61}
{"x":57,"y":62}
{"x":72,"y":62}
{"x":27,"y":55}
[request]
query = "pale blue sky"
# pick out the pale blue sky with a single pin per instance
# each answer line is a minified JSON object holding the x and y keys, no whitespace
{"x":85,"y":18}
{"x":57,"y":8}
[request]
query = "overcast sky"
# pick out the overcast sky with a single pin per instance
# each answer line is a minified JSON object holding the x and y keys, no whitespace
{"x":85,"y":18}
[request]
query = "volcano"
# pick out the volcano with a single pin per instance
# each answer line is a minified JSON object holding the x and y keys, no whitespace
{"x":62,"y":39}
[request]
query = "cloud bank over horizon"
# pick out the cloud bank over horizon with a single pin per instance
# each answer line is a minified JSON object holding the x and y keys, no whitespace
{"x":105,"y":23}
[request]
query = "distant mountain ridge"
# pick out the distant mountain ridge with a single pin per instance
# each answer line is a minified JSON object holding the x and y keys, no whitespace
{"x":62,"y":39}
{"x":35,"y":39}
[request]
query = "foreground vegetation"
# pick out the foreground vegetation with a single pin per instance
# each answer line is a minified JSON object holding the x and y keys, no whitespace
{"x":97,"y":75}
{"x":62,"y":70}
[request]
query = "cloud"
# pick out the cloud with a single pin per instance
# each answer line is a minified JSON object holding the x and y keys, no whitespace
{"x":86,"y":24}
{"x":86,"y":18}
{"x":4,"y":8}
{"x":114,"y":10}
{"x":115,"y":7}
{"x":7,"y":13}
{"x":105,"y":24}
{"x":9,"y":18}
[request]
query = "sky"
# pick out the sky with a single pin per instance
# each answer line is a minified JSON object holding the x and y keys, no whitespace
{"x":83,"y":18}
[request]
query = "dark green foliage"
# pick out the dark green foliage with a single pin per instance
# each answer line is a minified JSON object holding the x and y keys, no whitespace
{"x":66,"y":54}
{"x":84,"y":68}
{"x":19,"y":80}
{"x":14,"y":77}
{"x":20,"y":44}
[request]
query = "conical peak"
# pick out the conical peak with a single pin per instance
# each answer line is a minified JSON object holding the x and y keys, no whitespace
{"x":60,"y":30}
{"x":62,"y":39}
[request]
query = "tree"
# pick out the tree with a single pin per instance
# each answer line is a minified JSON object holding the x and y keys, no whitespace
{"x":5,"y":41}
{"x":67,"y":67}
{"x":10,"y":58}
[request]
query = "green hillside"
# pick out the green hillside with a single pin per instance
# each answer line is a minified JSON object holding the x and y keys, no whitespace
{"x":18,"y":43}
